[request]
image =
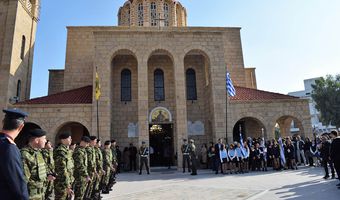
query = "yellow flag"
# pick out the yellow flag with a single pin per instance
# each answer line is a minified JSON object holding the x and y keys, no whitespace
{"x":97,"y":87}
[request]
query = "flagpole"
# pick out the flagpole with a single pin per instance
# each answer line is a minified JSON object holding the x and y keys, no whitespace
{"x":97,"y":102}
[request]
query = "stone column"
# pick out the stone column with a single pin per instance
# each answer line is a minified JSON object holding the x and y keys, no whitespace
{"x":181,"y":108}
{"x":218,"y":85}
{"x":143,"y":107}
{"x":103,"y":64}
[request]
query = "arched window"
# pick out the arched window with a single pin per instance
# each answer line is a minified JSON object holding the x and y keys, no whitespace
{"x":166,"y":14}
{"x":159,"y":85}
{"x":153,"y":13}
{"x":125,"y":85}
{"x":140,"y":14}
{"x":18,"y":90}
{"x":191,"y":84}
{"x":23,"y":44}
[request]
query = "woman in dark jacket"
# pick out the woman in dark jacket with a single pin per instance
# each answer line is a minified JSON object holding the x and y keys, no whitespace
{"x":290,"y":152}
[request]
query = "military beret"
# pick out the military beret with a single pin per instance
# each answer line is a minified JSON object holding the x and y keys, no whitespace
{"x":112,"y":141}
{"x":64,"y":135}
{"x":143,"y":142}
{"x":14,"y":113}
{"x":37,"y":133}
{"x":85,"y":139}
{"x":93,"y":137}
{"x":107,"y":142}
{"x":184,"y":140}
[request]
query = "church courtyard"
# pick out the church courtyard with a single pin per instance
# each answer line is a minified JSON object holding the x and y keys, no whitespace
{"x":305,"y":183}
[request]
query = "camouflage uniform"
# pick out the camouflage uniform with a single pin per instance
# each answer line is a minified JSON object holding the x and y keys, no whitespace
{"x":48,"y":185}
{"x":99,"y":164}
{"x":112,"y":179}
{"x":80,"y":172}
{"x":107,"y":165}
{"x":91,"y":167}
{"x":34,"y":171}
{"x":64,"y":170}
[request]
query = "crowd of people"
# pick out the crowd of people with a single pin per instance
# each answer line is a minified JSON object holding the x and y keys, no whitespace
{"x":256,"y":154}
{"x":87,"y":169}
{"x":37,"y":171}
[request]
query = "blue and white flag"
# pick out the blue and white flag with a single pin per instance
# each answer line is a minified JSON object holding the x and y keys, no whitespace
{"x":230,"y":87}
{"x":282,"y":153}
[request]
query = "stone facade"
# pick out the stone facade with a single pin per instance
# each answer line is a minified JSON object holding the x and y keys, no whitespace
{"x":18,"y":22}
{"x":168,"y":13}
{"x":267,"y":114}
{"x":55,"y":81}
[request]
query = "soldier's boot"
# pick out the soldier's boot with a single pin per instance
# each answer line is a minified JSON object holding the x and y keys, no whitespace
{"x":106,"y":190}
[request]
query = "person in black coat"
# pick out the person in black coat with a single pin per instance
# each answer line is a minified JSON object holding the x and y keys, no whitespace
{"x":12,"y":183}
{"x":133,"y":157}
{"x":290,"y":153}
{"x":325,"y":155}
{"x":218,"y":148}
{"x":335,"y":153}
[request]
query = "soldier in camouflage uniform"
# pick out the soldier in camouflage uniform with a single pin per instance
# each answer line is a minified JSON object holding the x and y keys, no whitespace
{"x":112,"y":180}
{"x":91,"y":165}
{"x":34,"y":165}
{"x":47,"y":153}
{"x":82,"y":178}
{"x":100,"y":170}
{"x":107,"y":166}
{"x":63,"y":168}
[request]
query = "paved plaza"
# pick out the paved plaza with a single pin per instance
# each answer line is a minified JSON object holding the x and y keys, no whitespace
{"x":305,"y":183}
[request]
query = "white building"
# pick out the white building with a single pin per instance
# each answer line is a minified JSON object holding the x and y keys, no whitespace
{"x":315,"y":114}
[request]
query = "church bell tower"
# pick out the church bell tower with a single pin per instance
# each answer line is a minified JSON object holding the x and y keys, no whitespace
{"x":18,"y":24}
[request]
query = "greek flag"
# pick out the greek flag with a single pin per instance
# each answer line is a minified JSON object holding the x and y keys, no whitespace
{"x":282,"y":153}
{"x":230,"y":88}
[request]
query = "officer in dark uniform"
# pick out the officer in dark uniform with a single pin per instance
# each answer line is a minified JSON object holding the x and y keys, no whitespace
{"x":12,"y":183}
{"x":144,"y":154}
{"x":186,"y":155}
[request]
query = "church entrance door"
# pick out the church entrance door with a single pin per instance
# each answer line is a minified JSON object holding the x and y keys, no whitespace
{"x":161,"y":145}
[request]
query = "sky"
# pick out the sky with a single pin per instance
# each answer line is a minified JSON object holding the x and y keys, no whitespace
{"x":287,"y":41}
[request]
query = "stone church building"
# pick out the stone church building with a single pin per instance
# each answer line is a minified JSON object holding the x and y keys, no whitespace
{"x":161,"y":81}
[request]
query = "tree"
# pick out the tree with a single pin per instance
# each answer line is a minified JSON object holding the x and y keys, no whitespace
{"x":326,"y":95}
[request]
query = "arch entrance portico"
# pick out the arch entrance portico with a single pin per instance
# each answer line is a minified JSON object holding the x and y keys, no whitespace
{"x":161,"y":137}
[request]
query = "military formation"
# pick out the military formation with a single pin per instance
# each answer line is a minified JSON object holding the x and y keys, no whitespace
{"x":37,"y":172}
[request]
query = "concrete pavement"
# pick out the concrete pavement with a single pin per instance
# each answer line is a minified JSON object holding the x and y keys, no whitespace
{"x":305,"y":183}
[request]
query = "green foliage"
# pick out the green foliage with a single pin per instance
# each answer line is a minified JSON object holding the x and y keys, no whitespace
{"x":326,"y":94}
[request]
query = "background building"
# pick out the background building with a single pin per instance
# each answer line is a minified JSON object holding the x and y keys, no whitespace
{"x":318,"y":127}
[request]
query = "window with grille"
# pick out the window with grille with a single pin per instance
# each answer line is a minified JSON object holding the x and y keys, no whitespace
{"x":166,"y":14}
{"x":153,"y":13}
{"x":125,"y":85}
{"x":191,"y":84}
{"x":159,"y":85}
{"x":140,"y":14}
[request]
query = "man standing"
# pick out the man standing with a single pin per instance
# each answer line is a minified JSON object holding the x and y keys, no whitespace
{"x":99,"y":164}
{"x":91,"y":165}
{"x":107,"y":166}
{"x":300,"y":145}
{"x":218,"y":148}
{"x":112,"y":179}
{"x":335,"y":153}
{"x":133,"y":157}
{"x":82,"y":178}
{"x":12,"y":184}
{"x":186,"y":155}
{"x":63,"y":168}
{"x":193,"y":157}
{"x":325,"y":155}
{"x":144,"y":154}
{"x":34,"y":165}
{"x":47,"y":153}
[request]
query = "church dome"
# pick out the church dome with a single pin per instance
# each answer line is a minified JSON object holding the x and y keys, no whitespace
{"x":152,"y":13}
